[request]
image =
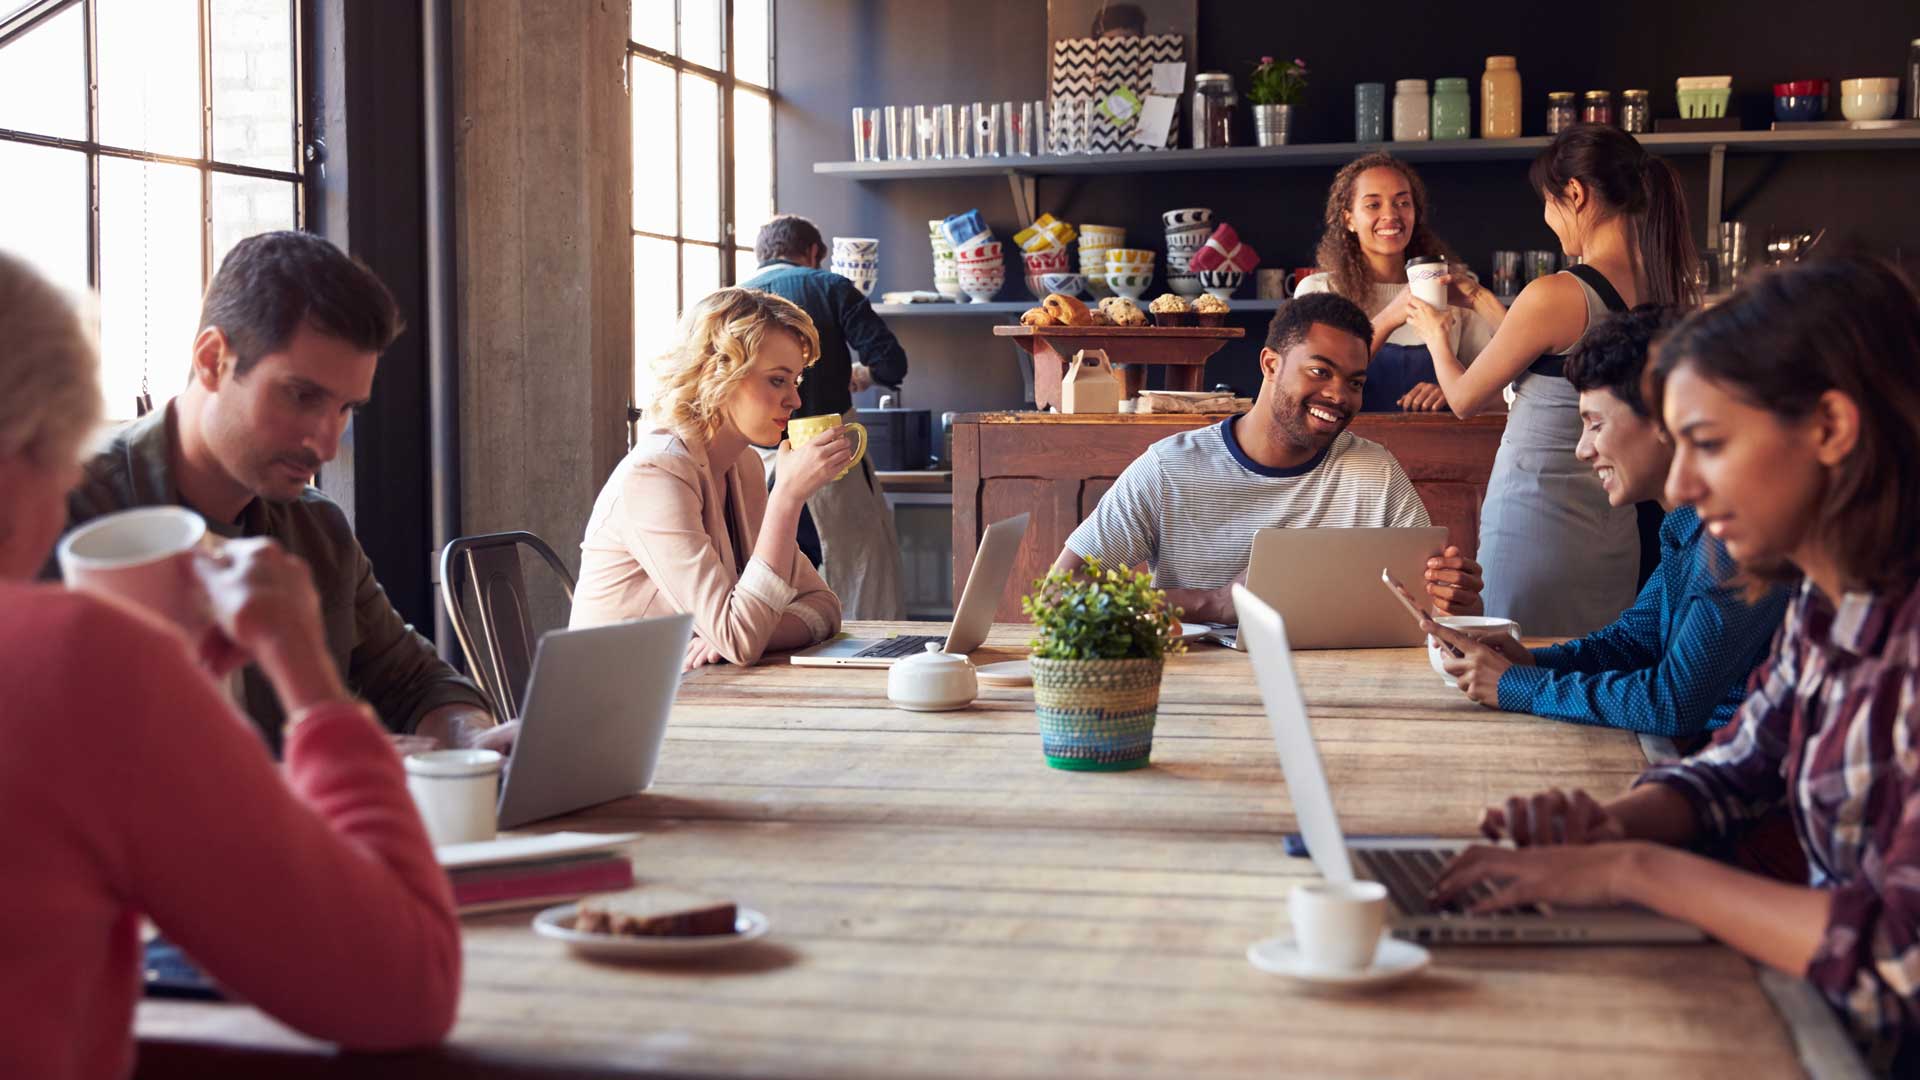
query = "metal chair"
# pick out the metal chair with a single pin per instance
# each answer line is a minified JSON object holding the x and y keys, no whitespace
{"x":492,"y":563}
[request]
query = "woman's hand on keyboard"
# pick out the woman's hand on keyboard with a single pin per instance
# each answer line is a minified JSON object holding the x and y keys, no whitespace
{"x":1551,"y":817}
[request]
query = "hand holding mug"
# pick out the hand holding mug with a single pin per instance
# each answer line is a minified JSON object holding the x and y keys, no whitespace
{"x":802,"y":470}
{"x":1434,"y":324}
{"x":262,"y":600}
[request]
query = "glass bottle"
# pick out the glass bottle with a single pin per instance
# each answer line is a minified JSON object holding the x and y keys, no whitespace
{"x":1452,"y":109}
{"x":1410,"y":111}
{"x":1500,"y":99}
{"x":1596,"y":107}
{"x":1370,"y":112}
{"x":1213,"y":102}
{"x":1634,"y":112}
{"x":1561,"y":114}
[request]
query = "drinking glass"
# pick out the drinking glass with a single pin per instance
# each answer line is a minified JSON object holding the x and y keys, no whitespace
{"x":926,"y":123}
{"x":862,"y":126}
{"x":986,"y":129}
{"x":1506,"y":274}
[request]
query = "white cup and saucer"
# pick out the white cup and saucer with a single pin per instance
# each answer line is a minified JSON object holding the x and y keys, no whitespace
{"x":1338,"y":944}
{"x":1477,"y":627}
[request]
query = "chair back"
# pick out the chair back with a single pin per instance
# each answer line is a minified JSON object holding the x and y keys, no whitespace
{"x":499,"y":618}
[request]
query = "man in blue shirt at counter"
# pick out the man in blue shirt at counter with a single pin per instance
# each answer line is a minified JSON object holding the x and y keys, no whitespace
{"x":852,"y":538}
{"x":1677,"y":662}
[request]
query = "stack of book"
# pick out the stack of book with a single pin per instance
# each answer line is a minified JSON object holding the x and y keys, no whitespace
{"x":535,"y":871}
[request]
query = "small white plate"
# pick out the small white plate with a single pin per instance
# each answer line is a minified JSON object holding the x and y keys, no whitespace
{"x":1394,"y":961}
{"x":557,"y":923}
{"x":1005,"y":673}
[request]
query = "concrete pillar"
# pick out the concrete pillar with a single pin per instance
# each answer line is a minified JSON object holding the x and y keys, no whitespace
{"x":542,"y":157}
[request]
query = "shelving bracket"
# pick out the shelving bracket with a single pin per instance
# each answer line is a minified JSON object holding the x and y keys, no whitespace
{"x":1023,"y":185}
{"x":1716,"y":192}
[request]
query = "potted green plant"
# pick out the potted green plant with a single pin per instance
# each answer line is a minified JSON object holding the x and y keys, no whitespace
{"x":1101,"y":638}
{"x":1277,"y":86}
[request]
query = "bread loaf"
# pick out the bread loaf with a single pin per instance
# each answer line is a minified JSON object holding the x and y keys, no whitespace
{"x":654,"y":911}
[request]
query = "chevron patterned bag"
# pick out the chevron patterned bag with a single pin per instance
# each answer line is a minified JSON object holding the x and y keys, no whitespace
{"x":1097,"y":67}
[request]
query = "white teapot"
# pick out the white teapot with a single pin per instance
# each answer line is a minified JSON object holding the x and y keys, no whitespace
{"x":933,"y":681}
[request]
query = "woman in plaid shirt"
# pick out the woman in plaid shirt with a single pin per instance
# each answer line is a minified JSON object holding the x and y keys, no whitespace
{"x":1795,"y":412}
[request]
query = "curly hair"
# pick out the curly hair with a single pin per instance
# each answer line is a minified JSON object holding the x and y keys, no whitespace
{"x":1339,"y":253}
{"x":720,"y":338}
{"x":50,"y":367}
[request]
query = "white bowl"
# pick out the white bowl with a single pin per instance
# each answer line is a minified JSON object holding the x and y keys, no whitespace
{"x":1221,"y":283}
{"x":1870,"y":86}
{"x":1873,"y":106}
{"x":1187,"y":285}
{"x":1064,"y":284}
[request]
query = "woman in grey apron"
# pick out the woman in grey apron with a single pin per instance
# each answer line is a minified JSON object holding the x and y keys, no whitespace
{"x":1559,"y":560}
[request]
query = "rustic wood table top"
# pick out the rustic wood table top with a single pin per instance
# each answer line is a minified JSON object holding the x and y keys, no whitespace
{"x":943,"y":903}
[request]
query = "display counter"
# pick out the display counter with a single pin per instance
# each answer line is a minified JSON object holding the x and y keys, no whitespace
{"x":1056,"y":467}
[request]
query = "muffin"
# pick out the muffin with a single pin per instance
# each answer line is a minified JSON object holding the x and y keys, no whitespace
{"x":1171,"y":309}
{"x":1122,"y":311}
{"x":1210,"y":310}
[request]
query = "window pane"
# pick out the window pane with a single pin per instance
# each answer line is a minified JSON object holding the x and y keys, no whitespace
{"x":43,"y":79}
{"x":150,"y":277}
{"x":699,"y":158}
{"x":253,"y":83}
{"x":700,"y":31}
{"x":656,"y":307}
{"x":750,"y":40}
{"x":655,"y":188}
{"x":149,"y":75}
{"x":752,"y":163}
{"x":45,"y":222}
{"x":745,"y":266}
{"x":653,"y":23}
{"x":701,"y":266}
{"x":244,"y":206}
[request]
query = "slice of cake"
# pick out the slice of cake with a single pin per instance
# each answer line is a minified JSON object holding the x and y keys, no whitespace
{"x":654,"y":911}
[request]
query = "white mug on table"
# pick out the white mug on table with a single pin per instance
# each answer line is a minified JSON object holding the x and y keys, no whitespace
{"x":144,"y":556}
{"x":1337,"y":926}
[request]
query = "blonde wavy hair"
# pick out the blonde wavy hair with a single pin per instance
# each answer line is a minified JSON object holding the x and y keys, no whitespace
{"x":50,"y":366}
{"x":720,"y":338}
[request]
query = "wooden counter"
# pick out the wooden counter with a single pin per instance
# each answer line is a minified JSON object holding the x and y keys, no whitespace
{"x":1056,"y":467}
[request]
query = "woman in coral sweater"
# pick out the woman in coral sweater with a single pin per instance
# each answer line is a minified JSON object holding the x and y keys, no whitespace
{"x":130,"y":787}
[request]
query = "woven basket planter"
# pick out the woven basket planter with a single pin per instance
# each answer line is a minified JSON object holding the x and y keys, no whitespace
{"x":1096,"y":715}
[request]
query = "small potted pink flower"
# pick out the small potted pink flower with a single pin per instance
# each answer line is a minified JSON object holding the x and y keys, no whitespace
{"x":1276,"y":87}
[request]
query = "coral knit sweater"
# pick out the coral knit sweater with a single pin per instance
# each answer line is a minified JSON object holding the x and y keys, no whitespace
{"x":130,"y":787}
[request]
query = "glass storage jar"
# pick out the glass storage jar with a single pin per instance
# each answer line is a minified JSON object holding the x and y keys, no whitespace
{"x":1596,"y":107}
{"x":1635,"y":115}
{"x":1452,"y":109}
{"x":1410,"y":111}
{"x":1500,"y":99}
{"x":1561,"y":113}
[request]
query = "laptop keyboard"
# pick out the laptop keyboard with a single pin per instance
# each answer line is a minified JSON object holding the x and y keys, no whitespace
{"x":1409,"y":874}
{"x":894,"y":647}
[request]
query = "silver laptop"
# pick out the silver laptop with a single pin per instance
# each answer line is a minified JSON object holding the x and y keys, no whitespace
{"x":1406,"y":867}
{"x":594,"y":715}
{"x":1326,"y":584}
{"x":992,"y":565}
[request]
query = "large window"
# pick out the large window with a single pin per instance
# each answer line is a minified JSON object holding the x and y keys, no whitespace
{"x":139,"y":141}
{"x":701,"y":73}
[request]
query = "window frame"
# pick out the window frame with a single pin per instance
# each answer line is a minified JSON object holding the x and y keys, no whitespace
{"x":727,"y":83}
{"x":25,"y":20}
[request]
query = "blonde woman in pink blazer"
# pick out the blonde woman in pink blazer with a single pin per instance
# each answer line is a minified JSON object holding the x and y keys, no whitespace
{"x":686,"y":523}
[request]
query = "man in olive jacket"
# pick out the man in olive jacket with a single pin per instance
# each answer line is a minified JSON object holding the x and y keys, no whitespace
{"x":290,"y":333}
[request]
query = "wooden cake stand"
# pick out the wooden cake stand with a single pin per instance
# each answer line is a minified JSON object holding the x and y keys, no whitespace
{"x":1182,"y":350}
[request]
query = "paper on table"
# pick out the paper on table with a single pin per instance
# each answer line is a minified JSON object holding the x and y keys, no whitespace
{"x":1156,"y":122}
{"x":527,"y":848}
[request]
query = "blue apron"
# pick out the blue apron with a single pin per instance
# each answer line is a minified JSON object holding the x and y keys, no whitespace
{"x":1395,"y":370}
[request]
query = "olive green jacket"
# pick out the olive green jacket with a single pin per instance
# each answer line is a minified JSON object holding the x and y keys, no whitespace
{"x":378,"y":655}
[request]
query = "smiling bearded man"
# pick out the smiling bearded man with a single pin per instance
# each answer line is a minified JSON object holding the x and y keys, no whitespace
{"x":1189,"y":506}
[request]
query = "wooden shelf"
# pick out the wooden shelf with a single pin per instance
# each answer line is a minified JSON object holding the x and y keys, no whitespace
{"x":1320,"y":154}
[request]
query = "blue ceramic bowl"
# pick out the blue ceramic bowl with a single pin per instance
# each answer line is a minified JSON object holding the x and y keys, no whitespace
{"x":1798,"y":107}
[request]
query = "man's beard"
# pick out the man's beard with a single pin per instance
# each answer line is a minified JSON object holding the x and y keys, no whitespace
{"x":1291,"y":422}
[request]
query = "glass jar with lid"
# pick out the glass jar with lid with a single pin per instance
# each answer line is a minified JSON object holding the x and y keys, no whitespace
{"x":1213,"y":102}
{"x":1452,"y":109}
{"x":1596,"y":107}
{"x":1410,"y":111}
{"x":1500,"y":99}
{"x":1561,"y":113}
{"x":1635,"y":115}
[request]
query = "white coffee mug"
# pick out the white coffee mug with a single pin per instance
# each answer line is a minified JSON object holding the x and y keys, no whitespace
{"x":456,"y":791}
{"x":1337,"y":926}
{"x":144,"y":556}
{"x":1477,"y":627}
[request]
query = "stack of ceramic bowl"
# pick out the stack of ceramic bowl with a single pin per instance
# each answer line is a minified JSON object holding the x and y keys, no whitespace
{"x":857,"y":258}
{"x":1187,"y":232}
{"x":946,"y":271}
{"x":982,"y":268}
{"x":1095,"y":242}
{"x":1129,"y":271}
{"x":1221,"y":283}
{"x":1044,"y":264}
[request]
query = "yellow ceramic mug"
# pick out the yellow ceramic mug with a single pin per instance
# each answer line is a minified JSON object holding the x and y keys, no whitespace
{"x":800,"y":429}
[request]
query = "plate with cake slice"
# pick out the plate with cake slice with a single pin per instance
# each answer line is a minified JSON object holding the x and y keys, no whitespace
{"x":649,"y":922}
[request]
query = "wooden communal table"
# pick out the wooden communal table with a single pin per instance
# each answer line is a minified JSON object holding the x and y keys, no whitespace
{"x":943,"y":904}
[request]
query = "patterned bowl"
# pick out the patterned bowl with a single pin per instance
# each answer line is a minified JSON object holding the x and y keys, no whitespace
{"x":1221,"y":283}
{"x":1130,"y":285}
{"x":1187,"y":285}
{"x":1064,"y":284}
{"x":1127,"y":258}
